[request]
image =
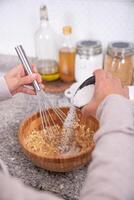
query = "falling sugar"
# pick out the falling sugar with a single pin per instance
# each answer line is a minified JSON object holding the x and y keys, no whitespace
{"x":68,"y":123}
{"x":68,"y":130}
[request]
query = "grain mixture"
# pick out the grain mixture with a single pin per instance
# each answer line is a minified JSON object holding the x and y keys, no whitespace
{"x":49,"y":143}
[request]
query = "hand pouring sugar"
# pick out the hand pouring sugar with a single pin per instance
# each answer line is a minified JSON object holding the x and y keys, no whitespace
{"x":81,"y":98}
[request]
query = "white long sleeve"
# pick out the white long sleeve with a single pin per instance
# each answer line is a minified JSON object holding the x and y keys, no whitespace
{"x":13,"y":189}
{"x":111,"y":171}
{"x":4,"y":91}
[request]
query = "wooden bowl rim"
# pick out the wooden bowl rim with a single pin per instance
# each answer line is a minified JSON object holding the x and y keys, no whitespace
{"x":62,"y":157}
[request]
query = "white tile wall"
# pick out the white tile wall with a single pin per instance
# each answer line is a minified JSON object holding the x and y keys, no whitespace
{"x":106,"y":20}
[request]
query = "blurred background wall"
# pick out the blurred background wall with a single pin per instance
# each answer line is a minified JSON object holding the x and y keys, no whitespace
{"x":106,"y":20}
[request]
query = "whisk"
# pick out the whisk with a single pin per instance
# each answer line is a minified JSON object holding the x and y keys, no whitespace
{"x":43,"y":101}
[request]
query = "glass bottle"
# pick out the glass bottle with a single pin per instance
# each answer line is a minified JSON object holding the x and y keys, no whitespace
{"x":119,"y":61}
{"x":46,"y":48}
{"x":67,"y":56}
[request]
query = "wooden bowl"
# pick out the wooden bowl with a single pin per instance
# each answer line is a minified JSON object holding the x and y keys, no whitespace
{"x":61,"y":163}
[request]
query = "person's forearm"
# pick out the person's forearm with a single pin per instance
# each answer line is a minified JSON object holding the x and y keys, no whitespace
{"x":4,"y":91}
{"x":110,"y":173}
{"x":13,"y":189}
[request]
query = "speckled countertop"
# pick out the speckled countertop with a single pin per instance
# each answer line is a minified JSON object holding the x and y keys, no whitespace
{"x":12,"y":113}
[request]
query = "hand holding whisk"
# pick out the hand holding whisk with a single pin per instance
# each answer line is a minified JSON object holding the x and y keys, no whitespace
{"x":46,"y":116}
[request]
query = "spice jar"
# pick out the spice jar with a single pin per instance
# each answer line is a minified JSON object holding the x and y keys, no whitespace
{"x":88,"y":58}
{"x":119,"y":60}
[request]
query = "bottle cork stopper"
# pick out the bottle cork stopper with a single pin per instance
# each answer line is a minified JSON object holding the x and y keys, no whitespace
{"x":67,"y":30}
{"x":43,"y":12}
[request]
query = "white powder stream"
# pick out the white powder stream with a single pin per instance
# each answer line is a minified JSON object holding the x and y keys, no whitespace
{"x":68,"y":130}
{"x":68,"y":123}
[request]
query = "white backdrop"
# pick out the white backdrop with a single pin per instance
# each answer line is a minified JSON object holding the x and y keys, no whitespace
{"x":106,"y":20}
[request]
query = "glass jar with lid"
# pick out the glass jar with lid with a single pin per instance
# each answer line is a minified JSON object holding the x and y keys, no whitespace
{"x":89,"y":57}
{"x":119,"y":60}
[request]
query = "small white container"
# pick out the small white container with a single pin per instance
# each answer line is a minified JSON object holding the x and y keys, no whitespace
{"x":84,"y":95}
{"x":89,"y":57}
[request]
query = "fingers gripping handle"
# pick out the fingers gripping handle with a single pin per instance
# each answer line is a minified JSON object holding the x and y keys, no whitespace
{"x":23,"y":58}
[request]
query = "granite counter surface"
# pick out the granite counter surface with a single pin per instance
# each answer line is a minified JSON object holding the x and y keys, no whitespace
{"x":12,"y":113}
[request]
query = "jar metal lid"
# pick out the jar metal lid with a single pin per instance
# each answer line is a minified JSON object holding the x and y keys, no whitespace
{"x":120,"y":49}
{"x":89,"y":47}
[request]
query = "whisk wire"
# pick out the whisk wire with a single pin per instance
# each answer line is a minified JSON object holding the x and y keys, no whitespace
{"x":51,"y":123}
{"x":59,"y":113}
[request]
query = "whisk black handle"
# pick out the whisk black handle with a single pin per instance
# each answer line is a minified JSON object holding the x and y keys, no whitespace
{"x":24,"y":60}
